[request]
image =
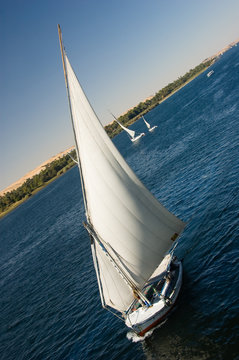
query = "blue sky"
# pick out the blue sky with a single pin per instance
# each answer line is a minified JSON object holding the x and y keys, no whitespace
{"x":121,"y":50}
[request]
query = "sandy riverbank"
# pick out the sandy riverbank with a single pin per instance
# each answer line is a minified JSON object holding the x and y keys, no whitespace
{"x":41,"y":167}
{"x":36,"y":171}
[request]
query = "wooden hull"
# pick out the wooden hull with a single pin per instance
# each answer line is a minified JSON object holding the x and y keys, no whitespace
{"x":155,"y":323}
{"x":145,"y":319}
{"x":137,"y":137}
{"x":153,"y":128}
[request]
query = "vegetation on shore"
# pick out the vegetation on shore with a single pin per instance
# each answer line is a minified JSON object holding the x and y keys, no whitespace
{"x":12,"y":199}
{"x":143,"y":107}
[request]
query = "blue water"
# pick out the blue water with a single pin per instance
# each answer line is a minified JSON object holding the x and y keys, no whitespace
{"x":50,"y":306}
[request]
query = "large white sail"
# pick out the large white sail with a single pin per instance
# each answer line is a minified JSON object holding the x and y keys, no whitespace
{"x":132,"y":225}
{"x":116,"y":291}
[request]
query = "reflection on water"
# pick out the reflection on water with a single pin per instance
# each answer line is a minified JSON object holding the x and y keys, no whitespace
{"x":180,"y":348}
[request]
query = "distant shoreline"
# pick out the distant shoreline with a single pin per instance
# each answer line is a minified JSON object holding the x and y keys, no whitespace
{"x":18,"y":203}
{"x":44,"y":165}
{"x":36,"y":180}
{"x":33,"y":172}
{"x":37,"y":170}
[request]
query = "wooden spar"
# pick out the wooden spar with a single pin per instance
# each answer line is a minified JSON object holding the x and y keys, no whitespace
{"x":62,"y":55}
{"x":68,"y":95}
{"x":121,"y":271}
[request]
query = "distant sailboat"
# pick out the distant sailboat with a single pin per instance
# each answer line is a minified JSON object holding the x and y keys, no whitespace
{"x":210,"y":73}
{"x":131,"y":133}
{"x":148,"y":125}
{"x":130,"y":231}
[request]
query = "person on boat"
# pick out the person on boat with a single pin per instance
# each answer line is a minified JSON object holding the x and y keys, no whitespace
{"x":141,"y":301}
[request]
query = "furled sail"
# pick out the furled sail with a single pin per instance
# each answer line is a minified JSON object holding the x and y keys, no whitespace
{"x":131,"y":225}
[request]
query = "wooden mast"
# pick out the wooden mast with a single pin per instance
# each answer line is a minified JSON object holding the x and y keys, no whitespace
{"x":68,"y":95}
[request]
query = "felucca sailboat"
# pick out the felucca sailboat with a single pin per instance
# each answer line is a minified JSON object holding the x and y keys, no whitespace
{"x":148,"y":125}
{"x":130,"y":231}
{"x":131,"y":133}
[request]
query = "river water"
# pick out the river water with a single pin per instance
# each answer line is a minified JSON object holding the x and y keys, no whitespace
{"x":50,"y":306}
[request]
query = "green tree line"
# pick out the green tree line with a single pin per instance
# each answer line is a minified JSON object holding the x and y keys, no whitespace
{"x":57,"y":167}
{"x":143,"y":107}
{"x":52,"y":170}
